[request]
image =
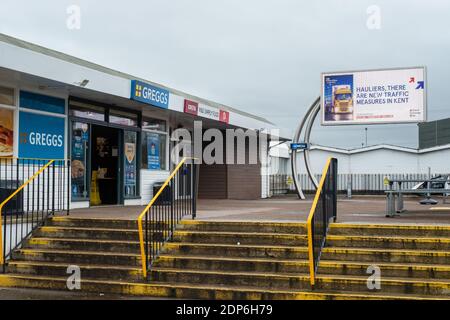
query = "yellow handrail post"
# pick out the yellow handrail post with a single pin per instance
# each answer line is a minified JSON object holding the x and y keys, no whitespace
{"x":142,"y":248}
{"x":309,"y":222}
{"x":12,"y":196}
{"x":147,"y":208}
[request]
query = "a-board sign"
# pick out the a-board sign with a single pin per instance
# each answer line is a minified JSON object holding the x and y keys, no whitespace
{"x":374,"y":96}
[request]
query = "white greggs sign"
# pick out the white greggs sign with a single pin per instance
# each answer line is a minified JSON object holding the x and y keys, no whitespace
{"x":374,"y":96}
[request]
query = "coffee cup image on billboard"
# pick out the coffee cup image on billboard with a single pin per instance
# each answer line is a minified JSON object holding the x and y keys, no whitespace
{"x":338,"y":97}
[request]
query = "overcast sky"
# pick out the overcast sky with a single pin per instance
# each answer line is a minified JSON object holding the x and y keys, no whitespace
{"x":261,"y":56}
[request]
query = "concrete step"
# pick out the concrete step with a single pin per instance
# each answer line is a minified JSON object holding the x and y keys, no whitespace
{"x":389,"y":242}
{"x":427,"y":231}
{"x":75,"y":257}
{"x":232,"y":264}
{"x":387,"y":269}
{"x":38,"y":268}
{"x":436,"y":287}
{"x":87,"y":233}
{"x":92,"y":223}
{"x":237,"y":251}
{"x":193,"y":291}
{"x":301,"y":266}
{"x":241,"y":238}
{"x":236,"y":278}
{"x":280,"y":281}
{"x":386,"y":255}
{"x":243,"y":226}
{"x":83,"y":244}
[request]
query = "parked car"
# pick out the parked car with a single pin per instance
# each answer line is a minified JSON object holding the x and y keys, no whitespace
{"x":435,"y":185}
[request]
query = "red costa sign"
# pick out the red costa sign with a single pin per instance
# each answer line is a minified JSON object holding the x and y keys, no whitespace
{"x":224,"y":116}
{"x":204,"y":111}
{"x":191,"y":107}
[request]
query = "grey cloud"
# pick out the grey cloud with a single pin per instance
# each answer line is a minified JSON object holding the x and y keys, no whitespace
{"x":263,"y":57}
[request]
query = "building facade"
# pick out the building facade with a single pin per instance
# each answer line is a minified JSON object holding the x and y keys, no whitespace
{"x":117,"y":130}
{"x":360,"y":170}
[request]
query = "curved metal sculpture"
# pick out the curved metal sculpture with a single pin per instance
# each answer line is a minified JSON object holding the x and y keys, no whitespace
{"x":307,"y":120}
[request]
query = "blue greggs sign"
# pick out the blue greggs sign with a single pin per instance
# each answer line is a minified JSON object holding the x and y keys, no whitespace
{"x":41,"y":136}
{"x":146,"y":93}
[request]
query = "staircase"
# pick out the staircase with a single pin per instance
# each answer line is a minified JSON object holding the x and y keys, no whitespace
{"x":237,"y":260}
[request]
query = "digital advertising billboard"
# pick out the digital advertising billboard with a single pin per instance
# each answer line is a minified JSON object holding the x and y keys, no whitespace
{"x":374,"y":96}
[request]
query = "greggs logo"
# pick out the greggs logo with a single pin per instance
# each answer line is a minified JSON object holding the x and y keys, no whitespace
{"x":138,"y":91}
{"x":147,"y":93}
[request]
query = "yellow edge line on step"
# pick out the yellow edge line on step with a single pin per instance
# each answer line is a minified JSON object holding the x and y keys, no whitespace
{"x":168,"y":290}
{"x":388,"y":238}
{"x":398,"y":266}
{"x":389,"y":251}
{"x":440,"y":209}
{"x":239,"y":222}
{"x":390,"y":226}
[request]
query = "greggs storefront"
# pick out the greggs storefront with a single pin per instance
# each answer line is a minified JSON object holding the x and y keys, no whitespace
{"x":119,"y":132}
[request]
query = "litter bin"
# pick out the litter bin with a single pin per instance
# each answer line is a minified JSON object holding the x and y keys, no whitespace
{"x":165,"y":197}
{"x":15,"y":205}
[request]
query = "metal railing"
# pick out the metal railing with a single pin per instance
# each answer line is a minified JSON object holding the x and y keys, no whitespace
{"x":323,"y":210}
{"x":30,"y":191}
{"x":356,"y":183}
{"x":279,"y":184}
{"x":176,"y":199}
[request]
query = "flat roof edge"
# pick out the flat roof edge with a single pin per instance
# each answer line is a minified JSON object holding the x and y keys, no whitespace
{"x":88,"y":64}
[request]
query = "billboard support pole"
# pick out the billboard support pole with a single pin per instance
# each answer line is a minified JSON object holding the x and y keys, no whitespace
{"x":307,"y":120}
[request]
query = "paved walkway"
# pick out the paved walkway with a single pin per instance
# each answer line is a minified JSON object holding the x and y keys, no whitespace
{"x":359,"y":209}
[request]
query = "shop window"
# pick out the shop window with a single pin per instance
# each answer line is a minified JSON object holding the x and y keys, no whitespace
{"x":79,"y":157}
{"x":88,"y":111}
{"x":130,"y":170}
{"x":154,"y":125}
{"x":40,"y":102}
{"x":154,"y":145}
{"x":123,"y":118}
{"x":7,"y":96}
{"x":6,"y":132}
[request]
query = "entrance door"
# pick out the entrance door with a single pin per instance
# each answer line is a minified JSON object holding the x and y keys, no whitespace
{"x":105,"y":169}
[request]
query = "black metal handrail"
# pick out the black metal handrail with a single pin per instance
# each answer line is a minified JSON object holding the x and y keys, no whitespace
{"x":323,"y":210}
{"x":31,"y":190}
{"x":176,"y":199}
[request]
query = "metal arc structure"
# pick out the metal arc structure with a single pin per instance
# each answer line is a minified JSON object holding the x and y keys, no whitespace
{"x":306,"y":123}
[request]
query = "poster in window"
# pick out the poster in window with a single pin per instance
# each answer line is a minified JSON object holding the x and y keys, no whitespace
{"x":153,"y":151}
{"x":130,"y":164}
{"x":80,"y":139}
{"x":6,"y":133}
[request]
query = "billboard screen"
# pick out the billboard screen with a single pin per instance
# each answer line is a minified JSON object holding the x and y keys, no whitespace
{"x":374,"y":96}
